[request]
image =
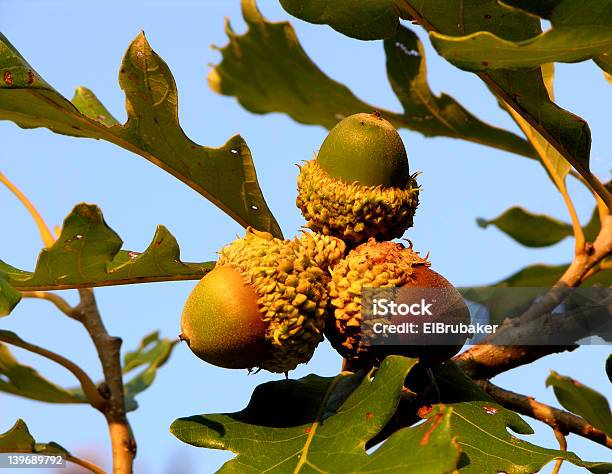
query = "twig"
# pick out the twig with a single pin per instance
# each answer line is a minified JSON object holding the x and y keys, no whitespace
{"x":90,"y":390}
{"x":43,"y":229}
{"x":57,"y":300}
{"x":562,"y":446}
{"x":579,"y":240}
{"x":108,"y":348}
{"x":561,"y":420}
{"x":85,"y":464}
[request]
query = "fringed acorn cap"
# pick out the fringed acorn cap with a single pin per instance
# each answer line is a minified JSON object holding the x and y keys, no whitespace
{"x":374,"y":265}
{"x":290,"y":279}
{"x":359,"y":185}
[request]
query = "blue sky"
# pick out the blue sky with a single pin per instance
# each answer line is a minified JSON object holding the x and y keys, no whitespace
{"x":81,"y":43}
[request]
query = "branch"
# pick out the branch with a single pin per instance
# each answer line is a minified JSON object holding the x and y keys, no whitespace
{"x":487,"y":360}
{"x":108,"y":348}
{"x":90,"y":390}
{"x":560,"y":420}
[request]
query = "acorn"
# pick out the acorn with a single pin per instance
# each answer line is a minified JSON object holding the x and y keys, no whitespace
{"x":389,"y":265}
{"x":263,"y":305}
{"x":359,"y":185}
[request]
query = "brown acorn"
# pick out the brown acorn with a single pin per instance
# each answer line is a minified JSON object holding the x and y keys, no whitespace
{"x":389,"y":265}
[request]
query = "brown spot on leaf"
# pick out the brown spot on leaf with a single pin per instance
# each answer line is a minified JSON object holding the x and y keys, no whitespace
{"x":487,"y":16}
{"x":424,"y":411}
{"x":307,"y":430}
{"x":369,"y":415}
{"x":490,"y":410}
{"x":485,"y":63}
{"x":8,"y":78}
{"x":31,"y":77}
{"x":433,"y":422}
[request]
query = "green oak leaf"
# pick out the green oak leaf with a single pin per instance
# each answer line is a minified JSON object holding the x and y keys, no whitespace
{"x":152,"y":353}
{"x":360,"y":19}
{"x":87,"y":254}
{"x":582,"y":400}
{"x":19,"y":440}
{"x":9,"y":297}
{"x":605,"y":62}
{"x":226,"y":175}
{"x":481,"y":429}
{"x":586,"y":25}
{"x":545,"y":9}
{"x":25,"y":381}
{"x":523,"y":90}
{"x":323,"y":424}
{"x":531,"y":230}
{"x":434,"y":115}
{"x":538,"y":230}
{"x":267,"y":70}
{"x":453,"y":385}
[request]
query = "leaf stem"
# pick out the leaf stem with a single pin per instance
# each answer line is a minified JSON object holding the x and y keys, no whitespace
{"x":562,"y":446}
{"x":43,"y":229}
{"x":108,"y":348}
{"x":579,"y":241}
{"x":57,"y":300}
{"x":89,"y":387}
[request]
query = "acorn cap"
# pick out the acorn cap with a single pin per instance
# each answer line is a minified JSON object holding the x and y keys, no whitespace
{"x":359,"y":185}
{"x":365,"y":148}
{"x":383,"y":265}
{"x":271,"y":311}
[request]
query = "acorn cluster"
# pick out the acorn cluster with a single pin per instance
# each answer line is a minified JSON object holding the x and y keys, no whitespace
{"x":269,"y":302}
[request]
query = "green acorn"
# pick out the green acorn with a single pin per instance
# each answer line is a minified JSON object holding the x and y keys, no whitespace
{"x":263,"y":305}
{"x":359,"y":185}
{"x":387,"y":265}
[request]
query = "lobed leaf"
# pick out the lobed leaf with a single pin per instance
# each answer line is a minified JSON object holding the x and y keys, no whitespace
{"x":267,"y":70}
{"x":225,"y":175}
{"x":322,"y":424}
{"x":19,"y":439}
{"x":87,"y":254}
{"x":580,"y":30}
{"x":523,"y":90}
{"x":152,"y":353}
{"x":481,"y":431}
{"x":582,"y":400}
{"x":361,"y":19}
